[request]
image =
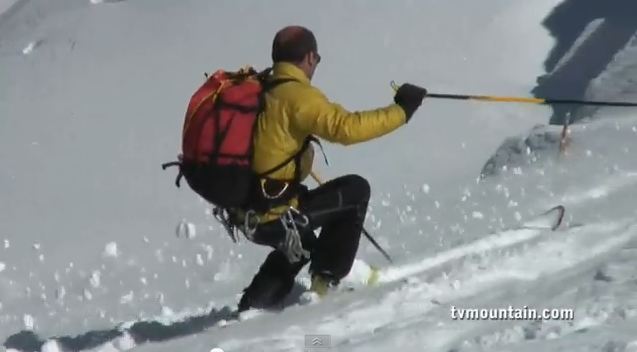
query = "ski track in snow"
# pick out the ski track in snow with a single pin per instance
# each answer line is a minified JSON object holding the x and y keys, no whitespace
{"x":614,"y":184}
{"x":420,"y":293}
{"x":413,"y":294}
{"x":392,"y":309}
{"x":430,"y":267}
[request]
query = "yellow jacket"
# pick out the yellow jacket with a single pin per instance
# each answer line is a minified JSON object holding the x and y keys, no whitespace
{"x":295,"y":110}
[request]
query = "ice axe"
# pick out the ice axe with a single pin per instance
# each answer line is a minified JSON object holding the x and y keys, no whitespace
{"x":539,"y":101}
{"x":369,"y":237}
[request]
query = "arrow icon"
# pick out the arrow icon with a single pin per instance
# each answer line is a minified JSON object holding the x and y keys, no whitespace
{"x":317,"y":342}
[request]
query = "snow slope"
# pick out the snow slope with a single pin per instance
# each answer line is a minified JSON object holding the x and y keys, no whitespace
{"x":587,"y":266}
{"x":91,"y":103}
{"x":5,"y":5}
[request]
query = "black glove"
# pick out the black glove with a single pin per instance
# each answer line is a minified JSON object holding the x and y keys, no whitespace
{"x":409,"y":97}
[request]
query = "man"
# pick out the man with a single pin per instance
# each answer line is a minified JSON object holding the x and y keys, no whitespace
{"x":293,"y":114}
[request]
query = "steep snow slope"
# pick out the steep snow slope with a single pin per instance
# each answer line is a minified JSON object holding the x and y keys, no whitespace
{"x":587,"y":266}
{"x":92,"y":97}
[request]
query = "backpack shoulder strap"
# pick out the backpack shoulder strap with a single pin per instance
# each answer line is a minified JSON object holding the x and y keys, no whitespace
{"x":296,"y":158}
{"x":271,"y":84}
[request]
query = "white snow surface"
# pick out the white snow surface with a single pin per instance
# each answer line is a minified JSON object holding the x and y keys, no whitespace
{"x":5,"y":5}
{"x":88,"y":218}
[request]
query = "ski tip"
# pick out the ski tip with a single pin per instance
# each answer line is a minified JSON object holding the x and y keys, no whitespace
{"x":560,"y":216}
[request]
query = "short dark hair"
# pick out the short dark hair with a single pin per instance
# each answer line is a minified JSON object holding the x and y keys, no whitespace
{"x":292,"y":43}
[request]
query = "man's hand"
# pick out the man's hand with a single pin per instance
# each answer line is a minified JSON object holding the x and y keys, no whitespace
{"x":409,"y":97}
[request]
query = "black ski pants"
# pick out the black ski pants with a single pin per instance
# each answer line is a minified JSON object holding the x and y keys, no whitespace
{"x":338,"y":207}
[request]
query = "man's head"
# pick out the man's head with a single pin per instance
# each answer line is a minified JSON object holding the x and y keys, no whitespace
{"x":297,"y":45}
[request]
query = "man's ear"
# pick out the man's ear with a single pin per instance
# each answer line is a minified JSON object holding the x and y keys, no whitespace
{"x":307,"y":59}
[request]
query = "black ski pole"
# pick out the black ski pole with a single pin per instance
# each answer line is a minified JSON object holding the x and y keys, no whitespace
{"x":375,"y":244}
{"x":541,"y":101}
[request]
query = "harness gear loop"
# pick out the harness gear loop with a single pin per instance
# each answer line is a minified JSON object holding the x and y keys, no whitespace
{"x":292,"y":245}
{"x":304,"y":222}
{"x":249,"y":226}
{"x":279,"y":193}
{"x":289,"y":221}
{"x":273,"y":192}
{"x":223,"y":217}
{"x":291,"y":218}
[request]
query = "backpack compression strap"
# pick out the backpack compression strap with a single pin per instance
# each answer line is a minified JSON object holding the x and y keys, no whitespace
{"x":164,"y":166}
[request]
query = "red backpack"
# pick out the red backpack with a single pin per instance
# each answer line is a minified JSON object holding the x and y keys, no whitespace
{"x":217,"y":137}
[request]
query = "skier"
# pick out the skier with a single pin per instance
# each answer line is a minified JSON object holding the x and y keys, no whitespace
{"x":295,"y":113}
